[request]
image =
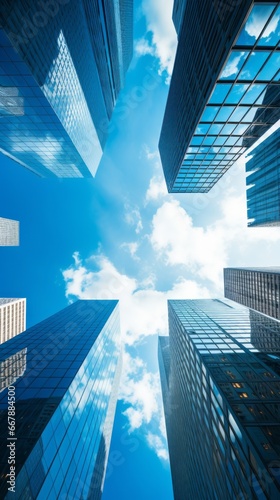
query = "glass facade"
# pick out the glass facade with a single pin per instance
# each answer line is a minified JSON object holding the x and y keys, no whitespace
{"x":223,"y":429}
{"x":9,"y":231}
{"x":65,"y":398}
{"x":60,"y":76}
{"x":178,"y":14}
{"x":12,"y":318}
{"x":263,"y":194}
{"x":257,"y":288}
{"x":231,"y":101}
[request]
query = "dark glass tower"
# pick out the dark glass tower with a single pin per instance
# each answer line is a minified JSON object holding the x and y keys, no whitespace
{"x":64,"y":373}
{"x":257,"y":288}
{"x":224,"y":91}
{"x":63,"y":64}
{"x":263,"y":183}
{"x":221,"y":394}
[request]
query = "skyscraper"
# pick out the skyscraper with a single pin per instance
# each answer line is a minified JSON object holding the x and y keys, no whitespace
{"x":221,"y":395}
{"x":263,"y":183}
{"x":257,"y":288}
{"x":63,"y":64}
{"x":9,"y":232}
{"x":12,"y":318}
{"x":64,"y":402}
{"x":224,"y":92}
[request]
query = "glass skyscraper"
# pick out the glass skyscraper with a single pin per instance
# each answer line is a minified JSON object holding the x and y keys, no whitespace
{"x":64,"y":373}
{"x":220,"y":376}
{"x":12,"y":318}
{"x":255,"y":287}
{"x":224,"y":92}
{"x":62,"y":66}
{"x":263,"y":183}
{"x":9,"y":231}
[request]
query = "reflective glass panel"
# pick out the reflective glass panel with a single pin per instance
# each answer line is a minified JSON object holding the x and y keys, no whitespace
{"x":233,"y":65}
{"x":255,"y":24}
{"x":236,"y":93}
{"x":272,"y":66}
{"x":253,"y":65}
{"x":202,"y":129}
{"x":220,"y":92}
{"x":271,"y":34}
{"x":253,"y":93}
{"x":224,"y":113}
{"x":209,"y":113}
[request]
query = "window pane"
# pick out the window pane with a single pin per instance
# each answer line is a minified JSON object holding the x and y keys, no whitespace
{"x":272,"y":32}
{"x":238,"y":114}
{"x":271,"y":67}
{"x":253,"y":93}
{"x":233,"y":65}
{"x":253,"y":65}
{"x":237,"y":92}
{"x":209,"y":113}
{"x":216,"y":128}
{"x":202,"y":129}
{"x":224,"y":113}
{"x":220,"y":92}
{"x":255,"y":24}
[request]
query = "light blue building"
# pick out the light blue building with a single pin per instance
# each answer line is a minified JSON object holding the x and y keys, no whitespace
{"x":224,"y":91}
{"x":263,"y":183}
{"x":62,"y":66}
{"x":65,"y":393}
{"x":220,"y":378}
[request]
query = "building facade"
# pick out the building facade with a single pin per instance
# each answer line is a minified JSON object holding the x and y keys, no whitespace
{"x":224,"y":92}
{"x":257,"y":288}
{"x":64,"y":402}
{"x":12,"y":318}
{"x":263,"y":183}
{"x":62,"y":67}
{"x":9,"y":232}
{"x":221,"y":397}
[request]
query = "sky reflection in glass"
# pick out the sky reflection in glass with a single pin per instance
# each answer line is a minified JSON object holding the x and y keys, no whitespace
{"x":243,"y":86}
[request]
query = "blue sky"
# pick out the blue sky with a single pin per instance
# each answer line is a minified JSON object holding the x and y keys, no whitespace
{"x":121,"y":236}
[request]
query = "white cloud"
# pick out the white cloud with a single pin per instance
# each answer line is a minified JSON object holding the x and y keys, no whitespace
{"x":231,"y":67}
{"x":159,"y":445}
{"x":98,"y":278}
{"x":141,"y":390}
{"x":206,"y":251}
{"x":164,"y":38}
{"x":255,"y":24}
{"x":151,"y":155}
{"x":157,"y":188}
{"x":142,"y":47}
{"x":132,"y":248}
{"x":272,"y":27}
{"x":133,"y":217}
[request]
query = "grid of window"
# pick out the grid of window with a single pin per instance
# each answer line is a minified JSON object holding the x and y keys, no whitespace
{"x":12,"y":318}
{"x":263,"y":197}
{"x":257,"y":288}
{"x":243,"y":105}
{"x":9,"y":231}
{"x":223,"y":434}
{"x":62,"y":399}
{"x":59,"y":86}
{"x":209,"y":34}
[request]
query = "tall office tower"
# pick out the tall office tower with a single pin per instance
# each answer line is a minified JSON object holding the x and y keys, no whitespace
{"x":223,"y":403}
{"x":224,"y":92}
{"x":63,"y":64}
{"x":9,"y":232}
{"x":12,"y":318}
{"x":263,"y":181}
{"x":64,"y":403}
{"x":256,"y":287}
